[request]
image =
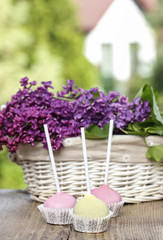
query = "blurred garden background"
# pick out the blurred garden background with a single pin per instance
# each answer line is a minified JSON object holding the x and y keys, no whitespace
{"x":56,"y":40}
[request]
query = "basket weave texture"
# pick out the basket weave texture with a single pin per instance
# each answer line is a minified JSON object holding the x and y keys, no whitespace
{"x":135,"y":177}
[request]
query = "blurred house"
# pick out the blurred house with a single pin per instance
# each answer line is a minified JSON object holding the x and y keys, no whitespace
{"x":119,"y":40}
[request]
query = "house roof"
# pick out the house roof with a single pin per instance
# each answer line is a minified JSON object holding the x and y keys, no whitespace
{"x":90,"y":11}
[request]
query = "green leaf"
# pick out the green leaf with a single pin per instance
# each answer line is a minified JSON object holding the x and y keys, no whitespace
{"x":95,"y":132}
{"x":155,"y":153}
{"x":134,"y":129}
{"x":130,"y":127}
{"x":157,"y":130}
{"x":148,"y":93}
{"x":156,"y":110}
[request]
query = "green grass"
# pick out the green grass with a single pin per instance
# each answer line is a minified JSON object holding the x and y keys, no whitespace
{"x":11,"y":175}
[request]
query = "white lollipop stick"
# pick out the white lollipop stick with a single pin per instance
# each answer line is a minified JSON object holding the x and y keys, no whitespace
{"x":85,"y":160}
{"x":51,"y":156}
{"x":108,"y":150}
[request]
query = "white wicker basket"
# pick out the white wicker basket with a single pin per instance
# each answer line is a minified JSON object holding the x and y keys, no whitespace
{"x":135,"y":177}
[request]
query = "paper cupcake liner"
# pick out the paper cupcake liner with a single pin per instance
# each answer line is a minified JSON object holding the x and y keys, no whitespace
{"x":115,"y":208}
{"x":90,"y":225}
{"x":56,"y":216}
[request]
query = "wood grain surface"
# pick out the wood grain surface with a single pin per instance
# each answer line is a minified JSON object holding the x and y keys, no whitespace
{"x":21,"y":220}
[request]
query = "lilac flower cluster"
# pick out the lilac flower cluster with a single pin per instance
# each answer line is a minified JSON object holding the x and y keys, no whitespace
{"x":23,"y":118}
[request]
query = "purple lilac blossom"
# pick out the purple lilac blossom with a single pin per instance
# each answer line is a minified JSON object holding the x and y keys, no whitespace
{"x":23,"y":118}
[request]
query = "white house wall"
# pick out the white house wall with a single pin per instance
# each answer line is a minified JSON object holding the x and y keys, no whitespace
{"x":122,"y":24}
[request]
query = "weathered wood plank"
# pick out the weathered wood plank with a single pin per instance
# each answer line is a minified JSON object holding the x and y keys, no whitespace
{"x":143,"y":221}
{"x":21,"y":220}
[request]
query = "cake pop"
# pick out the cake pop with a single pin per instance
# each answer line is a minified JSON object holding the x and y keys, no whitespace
{"x":56,"y":209}
{"x":90,"y":214}
{"x":110,"y":196}
{"x":91,"y":206}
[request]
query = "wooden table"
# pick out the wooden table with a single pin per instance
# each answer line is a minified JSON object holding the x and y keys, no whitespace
{"x":21,"y":220}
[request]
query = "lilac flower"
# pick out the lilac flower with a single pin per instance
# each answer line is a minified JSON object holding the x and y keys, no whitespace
{"x":72,"y":108}
{"x":24,"y":81}
{"x":33,"y":83}
{"x":47,"y":84}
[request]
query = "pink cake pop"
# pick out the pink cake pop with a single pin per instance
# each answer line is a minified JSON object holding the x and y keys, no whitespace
{"x":60,"y":200}
{"x":107,"y":194}
{"x":111,"y":197}
{"x":57,"y":209}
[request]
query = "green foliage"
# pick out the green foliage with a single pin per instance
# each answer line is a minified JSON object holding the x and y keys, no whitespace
{"x":152,"y":126}
{"x":15,"y":39}
{"x":158,"y":73}
{"x":156,"y":19}
{"x":108,"y":84}
{"x":53,"y":23}
{"x":155,"y":152}
{"x":135,"y":84}
{"x":95,"y":132}
{"x":11,"y":175}
{"x":148,"y":93}
{"x":39,"y":39}
{"x":160,"y":102}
